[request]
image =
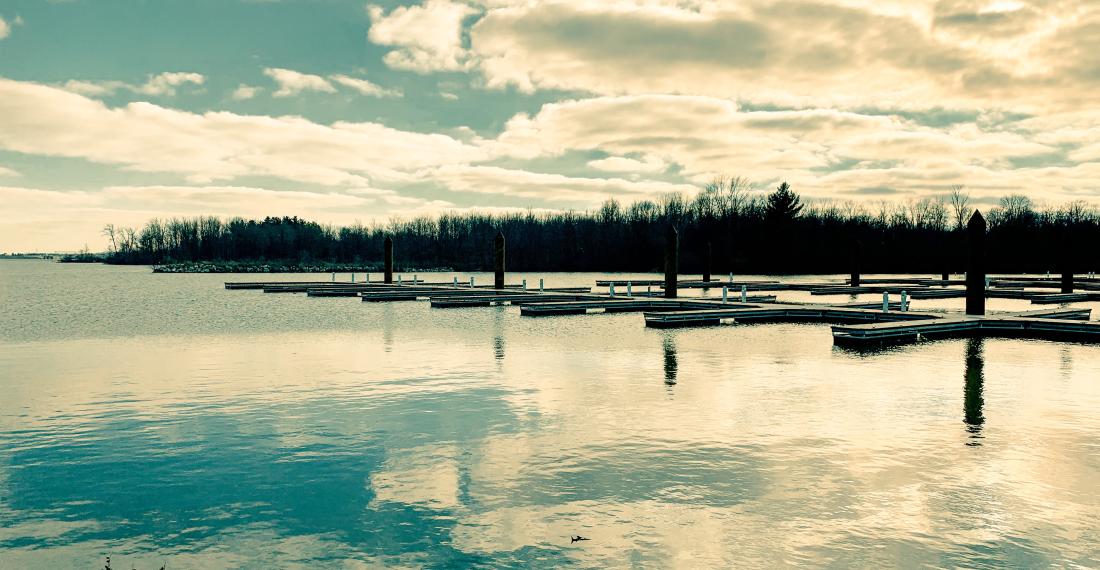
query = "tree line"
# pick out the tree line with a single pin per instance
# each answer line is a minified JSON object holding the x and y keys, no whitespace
{"x":747,"y":231}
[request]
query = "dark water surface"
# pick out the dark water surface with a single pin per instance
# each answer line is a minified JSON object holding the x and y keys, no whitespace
{"x":162,"y":418}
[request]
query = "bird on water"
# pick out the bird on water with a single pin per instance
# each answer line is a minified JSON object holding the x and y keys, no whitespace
{"x":573,"y":539}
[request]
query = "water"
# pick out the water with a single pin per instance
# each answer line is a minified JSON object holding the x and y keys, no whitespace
{"x":161,"y":418}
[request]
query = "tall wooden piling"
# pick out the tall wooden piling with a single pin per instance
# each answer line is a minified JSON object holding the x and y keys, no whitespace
{"x":706,"y":262}
{"x":857,"y":255}
{"x":975,"y":274}
{"x":672,"y":261}
{"x":498,"y":273}
{"x":387,"y":257}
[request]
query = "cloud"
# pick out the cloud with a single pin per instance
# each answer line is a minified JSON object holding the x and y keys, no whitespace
{"x":428,"y":37}
{"x":159,"y":85}
{"x":244,"y":92}
{"x":365,"y":87}
{"x":43,"y":120}
{"x":292,"y":82}
{"x":550,"y":187}
{"x":5,"y":28}
{"x":7,"y":172}
{"x":1038,"y":54}
{"x":648,"y":164}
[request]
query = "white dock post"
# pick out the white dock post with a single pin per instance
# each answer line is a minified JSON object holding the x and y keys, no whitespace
{"x":456,"y":281}
{"x":540,"y":285}
{"x":398,"y":279}
{"x":353,"y":278}
{"x":725,"y":294}
{"x":629,"y":289}
{"x":611,"y":288}
{"x":885,"y":302}
{"x":414,"y":279}
{"x":334,"y":277}
{"x":744,"y":293}
{"x":987,"y":282}
{"x":367,"y":279}
{"x":731,"y":277}
{"x":471,"y":282}
{"x":524,"y":285}
{"x":904,"y":301}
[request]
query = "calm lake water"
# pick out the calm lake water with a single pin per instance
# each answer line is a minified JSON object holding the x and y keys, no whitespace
{"x":161,"y":418}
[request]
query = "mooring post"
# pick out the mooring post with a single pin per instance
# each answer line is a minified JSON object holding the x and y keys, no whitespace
{"x":471,"y":282}
{"x":706,"y":263}
{"x":415,"y":280}
{"x":1066,"y":260}
{"x":498,"y":275}
{"x":524,"y":282}
{"x":387,"y":259}
{"x":353,"y":278}
{"x":540,"y":285}
{"x":725,"y":294}
{"x":731,"y":277}
{"x":334,"y":277}
{"x":629,"y":289}
{"x":367,"y":278}
{"x":904,"y":301}
{"x":611,"y":288}
{"x":455,"y":281}
{"x":975,"y":274}
{"x":398,"y":279}
{"x":672,"y":261}
{"x":886,"y":301}
{"x":945,"y":277}
{"x":857,"y":253}
{"x":744,"y":293}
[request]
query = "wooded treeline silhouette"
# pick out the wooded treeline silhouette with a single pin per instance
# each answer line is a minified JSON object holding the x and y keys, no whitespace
{"x":750,"y":232}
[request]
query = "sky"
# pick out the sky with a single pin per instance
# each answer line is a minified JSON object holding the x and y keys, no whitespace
{"x":358,"y":112}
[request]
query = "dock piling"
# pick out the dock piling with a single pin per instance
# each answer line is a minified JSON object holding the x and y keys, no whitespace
{"x":725,"y":294}
{"x":524,"y":282}
{"x":498,"y":274}
{"x":629,"y":289}
{"x":471,"y":282}
{"x":387,"y":258}
{"x":904,"y":301}
{"x":975,"y":274}
{"x":540,"y":285}
{"x":857,"y":253}
{"x":611,"y":289}
{"x":706,"y":262}
{"x":398,"y":279}
{"x":885,"y":302}
{"x":455,"y":281}
{"x":744,"y":293}
{"x":672,"y":261}
{"x":334,"y":277}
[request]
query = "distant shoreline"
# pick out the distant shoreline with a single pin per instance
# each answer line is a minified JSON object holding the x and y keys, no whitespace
{"x":278,"y":267}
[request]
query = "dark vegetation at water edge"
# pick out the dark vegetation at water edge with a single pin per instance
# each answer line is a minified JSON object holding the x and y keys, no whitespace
{"x":749,"y":232}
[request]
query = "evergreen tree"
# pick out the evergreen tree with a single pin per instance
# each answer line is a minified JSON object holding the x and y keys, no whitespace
{"x":783,"y":204}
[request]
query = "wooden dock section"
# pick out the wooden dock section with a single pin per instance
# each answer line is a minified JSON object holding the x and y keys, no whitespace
{"x":1068,"y":324}
{"x":778,"y":313}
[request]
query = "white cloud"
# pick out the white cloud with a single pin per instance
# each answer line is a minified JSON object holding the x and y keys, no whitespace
{"x":550,"y":187}
{"x":428,"y":37}
{"x":162,"y":84}
{"x":244,"y":92}
{"x":7,"y":172}
{"x":5,"y":29}
{"x":648,"y":164}
{"x":365,"y":87}
{"x":43,"y":120}
{"x":292,"y":82}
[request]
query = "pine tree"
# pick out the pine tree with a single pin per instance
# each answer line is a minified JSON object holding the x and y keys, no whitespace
{"x":783,"y":204}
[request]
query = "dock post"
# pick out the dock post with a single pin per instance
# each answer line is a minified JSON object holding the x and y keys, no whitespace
{"x":629,"y":289}
{"x":649,"y":290}
{"x":672,"y":261}
{"x":857,"y":253}
{"x":471,"y":282}
{"x":540,"y":285}
{"x":498,"y":274}
{"x":945,"y":277}
{"x":611,"y":288}
{"x":744,"y":293}
{"x":731,"y":277}
{"x":367,"y":279}
{"x":706,"y":263}
{"x":904,"y":301}
{"x":885,"y":302}
{"x":455,"y":281}
{"x":353,"y":278}
{"x":398,"y":279}
{"x":975,"y":274}
{"x":387,"y":259}
{"x":415,"y":280}
{"x":1065,"y":258}
{"x":725,"y":294}
{"x":334,"y":277}
{"x":524,"y":285}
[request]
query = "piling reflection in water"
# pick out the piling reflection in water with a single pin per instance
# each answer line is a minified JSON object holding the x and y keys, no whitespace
{"x":670,"y":360}
{"x":498,"y":334}
{"x":973,"y":398}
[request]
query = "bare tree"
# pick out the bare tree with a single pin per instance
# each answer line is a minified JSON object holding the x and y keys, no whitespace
{"x":111,"y":234}
{"x":960,"y":206}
